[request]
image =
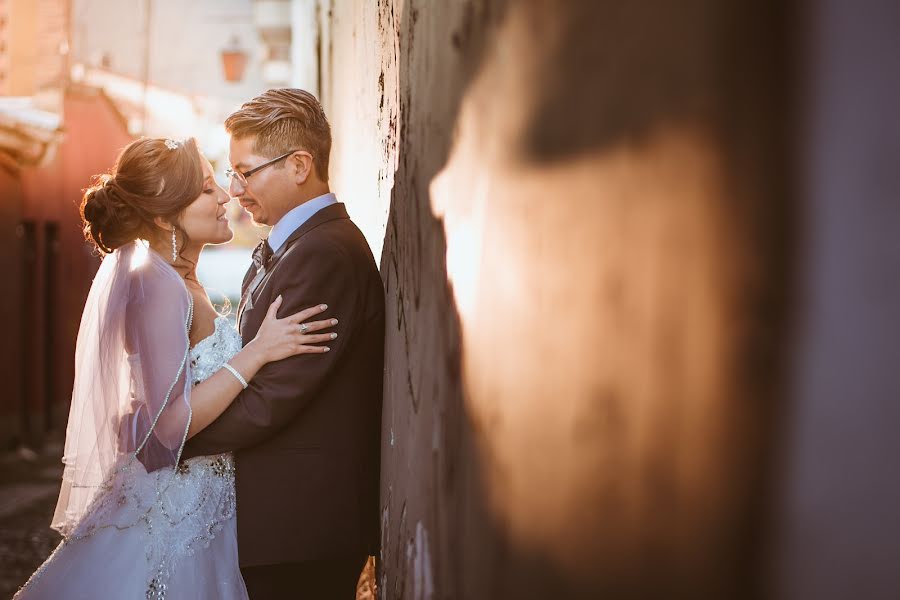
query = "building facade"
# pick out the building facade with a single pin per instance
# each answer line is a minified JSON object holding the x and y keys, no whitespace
{"x":54,"y":135}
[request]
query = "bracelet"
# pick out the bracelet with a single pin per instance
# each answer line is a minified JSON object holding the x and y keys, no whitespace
{"x":236,"y":374}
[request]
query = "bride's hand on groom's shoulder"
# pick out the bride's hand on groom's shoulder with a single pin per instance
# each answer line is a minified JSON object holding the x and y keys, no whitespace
{"x":278,"y":339}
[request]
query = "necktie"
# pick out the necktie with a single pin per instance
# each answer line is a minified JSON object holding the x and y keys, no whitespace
{"x":262,"y":254}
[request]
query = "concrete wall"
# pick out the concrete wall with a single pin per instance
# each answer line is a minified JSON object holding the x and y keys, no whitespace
{"x":581,"y":218}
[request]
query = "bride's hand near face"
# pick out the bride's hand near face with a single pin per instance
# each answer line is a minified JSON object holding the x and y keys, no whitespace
{"x":276,"y":340}
{"x":280,"y":338}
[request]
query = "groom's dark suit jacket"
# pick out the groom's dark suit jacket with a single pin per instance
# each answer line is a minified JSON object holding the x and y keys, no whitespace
{"x":306,"y":432}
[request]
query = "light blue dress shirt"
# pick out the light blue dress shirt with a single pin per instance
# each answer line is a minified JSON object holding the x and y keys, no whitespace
{"x":296,"y":217}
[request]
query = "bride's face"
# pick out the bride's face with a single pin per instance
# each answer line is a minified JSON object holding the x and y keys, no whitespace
{"x":205,"y":220}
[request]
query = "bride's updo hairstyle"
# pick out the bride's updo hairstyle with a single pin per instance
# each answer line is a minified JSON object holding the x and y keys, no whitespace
{"x":152,"y":178}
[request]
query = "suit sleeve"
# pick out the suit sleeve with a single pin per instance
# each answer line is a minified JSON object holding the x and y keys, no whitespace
{"x":280,"y":390}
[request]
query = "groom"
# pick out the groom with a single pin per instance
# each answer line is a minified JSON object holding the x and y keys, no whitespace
{"x":306,"y":432}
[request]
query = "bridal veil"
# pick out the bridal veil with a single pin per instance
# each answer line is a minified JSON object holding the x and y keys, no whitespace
{"x":131,"y":397}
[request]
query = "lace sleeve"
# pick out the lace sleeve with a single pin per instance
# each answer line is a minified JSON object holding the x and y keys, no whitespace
{"x":157,"y":321}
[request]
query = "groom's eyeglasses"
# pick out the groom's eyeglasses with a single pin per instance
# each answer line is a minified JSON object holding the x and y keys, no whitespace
{"x":242,"y":176}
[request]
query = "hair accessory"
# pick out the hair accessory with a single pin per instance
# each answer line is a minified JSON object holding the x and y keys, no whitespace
{"x":172,"y":144}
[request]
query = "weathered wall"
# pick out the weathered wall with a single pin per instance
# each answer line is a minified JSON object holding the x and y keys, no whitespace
{"x":359,"y":78}
{"x":581,"y":222}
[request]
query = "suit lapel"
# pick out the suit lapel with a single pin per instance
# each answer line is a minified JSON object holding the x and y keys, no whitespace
{"x":247,"y":294}
{"x":248,"y":276}
{"x":254,"y":283}
{"x":245,"y":286}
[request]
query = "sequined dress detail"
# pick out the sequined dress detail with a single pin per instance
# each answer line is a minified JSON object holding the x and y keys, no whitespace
{"x":168,"y":534}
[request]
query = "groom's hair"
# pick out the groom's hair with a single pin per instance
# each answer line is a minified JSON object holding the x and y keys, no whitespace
{"x":282,"y":120}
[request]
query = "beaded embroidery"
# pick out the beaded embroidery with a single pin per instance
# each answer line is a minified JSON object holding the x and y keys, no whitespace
{"x":199,"y":493}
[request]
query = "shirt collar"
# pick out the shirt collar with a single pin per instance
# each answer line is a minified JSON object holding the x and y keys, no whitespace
{"x":296,"y":217}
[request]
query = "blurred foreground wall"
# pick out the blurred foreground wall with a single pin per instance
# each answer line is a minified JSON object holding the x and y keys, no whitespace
{"x":582,"y":220}
{"x":623,"y":266}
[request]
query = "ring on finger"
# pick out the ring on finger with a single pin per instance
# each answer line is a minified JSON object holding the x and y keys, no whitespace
{"x":304,"y":327}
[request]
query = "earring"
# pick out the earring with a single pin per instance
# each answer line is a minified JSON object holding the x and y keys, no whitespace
{"x":174,"y":246}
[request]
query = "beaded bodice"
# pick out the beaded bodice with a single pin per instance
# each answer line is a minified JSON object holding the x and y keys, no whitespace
{"x":202,"y":489}
{"x":210,"y":353}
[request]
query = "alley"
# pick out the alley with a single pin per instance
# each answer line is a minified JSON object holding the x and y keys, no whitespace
{"x":30,"y":483}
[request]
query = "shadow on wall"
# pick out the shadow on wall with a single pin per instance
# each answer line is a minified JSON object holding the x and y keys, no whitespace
{"x":575,"y":407}
{"x":431,"y":485}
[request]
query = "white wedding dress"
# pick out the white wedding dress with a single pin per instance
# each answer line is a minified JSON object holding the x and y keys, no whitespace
{"x":168,"y":534}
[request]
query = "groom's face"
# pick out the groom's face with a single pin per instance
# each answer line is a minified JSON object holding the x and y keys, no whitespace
{"x":266,"y":194}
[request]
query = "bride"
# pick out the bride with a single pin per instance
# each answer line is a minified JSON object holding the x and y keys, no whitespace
{"x":155,"y":364}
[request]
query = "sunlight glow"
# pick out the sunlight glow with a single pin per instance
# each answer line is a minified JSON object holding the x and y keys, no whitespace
{"x":464,"y":230}
{"x":464,"y":263}
{"x":140,"y":255}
